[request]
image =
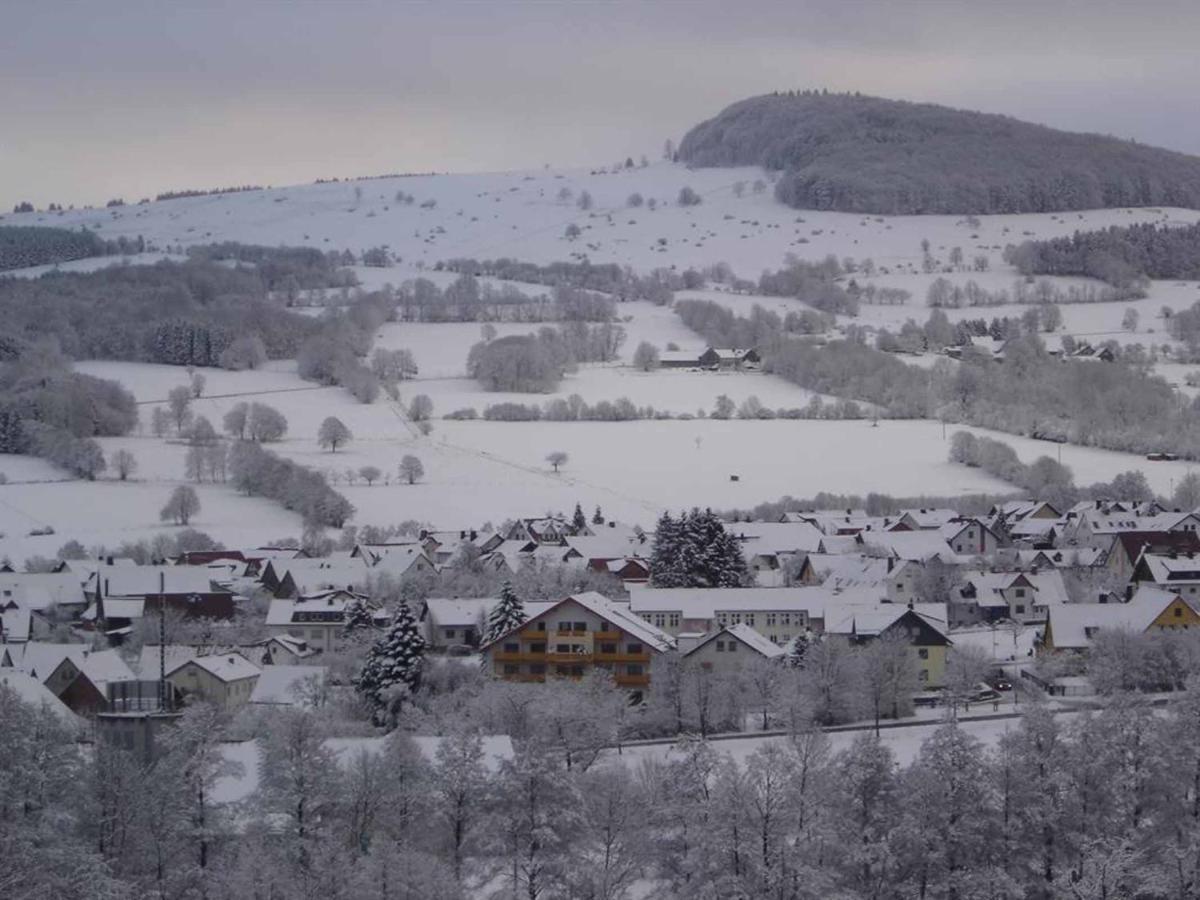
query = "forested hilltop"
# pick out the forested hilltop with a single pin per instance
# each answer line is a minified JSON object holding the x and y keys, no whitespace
{"x":866,"y":154}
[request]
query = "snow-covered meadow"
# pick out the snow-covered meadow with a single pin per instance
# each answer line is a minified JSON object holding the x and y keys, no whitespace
{"x":479,"y":471}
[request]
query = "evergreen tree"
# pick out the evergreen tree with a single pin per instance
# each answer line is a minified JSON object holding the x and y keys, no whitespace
{"x":664,"y":559}
{"x":393,"y":661}
{"x":799,"y":650}
{"x":359,"y":619}
{"x":506,"y":615}
{"x":579,"y":520}
{"x":598,"y":517}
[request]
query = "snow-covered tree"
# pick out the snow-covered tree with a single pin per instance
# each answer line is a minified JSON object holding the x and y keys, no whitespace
{"x":507,"y":614}
{"x":332,"y":433}
{"x":181,"y":506}
{"x":124,"y":463}
{"x":411,"y":469}
{"x":646,"y":357}
{"x":557,"y":458}
{"x":392,"y":668}
{"x":579,"y":520}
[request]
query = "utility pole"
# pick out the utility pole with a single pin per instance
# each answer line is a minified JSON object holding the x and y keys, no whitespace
{"x":162,"y":641}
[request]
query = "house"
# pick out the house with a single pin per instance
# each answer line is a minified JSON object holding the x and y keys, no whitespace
{"x":277,"y":650}
{"x":544,"y":530}
{"x":969,"y":537}
{"x":454,"y":622}
{"x":299,"y":577}
{"x":1024,"y":597}
{"x":729,"y":358}
{"x":916,"y":546}
{"x":923,"y":626}
{"x":225,"y":680}
{"x":284,"y":685}
{"x":925,"y":519}
{"x":32,"y":692}
{"x":679,"y":359}
{"x":574,"y":635}
{"x":318,"y":618}
{"x":16,"y":622}
{"x":82,"y":681}
{"x":778,"y":614}
{"x":403,"y":561}
{"x":1176,"y":571}
{"x":119,"y":595}
{"x":1071,"y":627}
{"x":894,"y":579}
{"x":729,"y":648}
{"x":1126,"y":548}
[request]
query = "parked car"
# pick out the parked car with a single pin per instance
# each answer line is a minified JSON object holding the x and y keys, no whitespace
{"x":984,"y":693}
{"x":999,"y":681}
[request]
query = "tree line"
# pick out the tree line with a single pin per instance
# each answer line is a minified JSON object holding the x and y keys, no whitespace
{"x":22,"y":246}
{"x":1119,"y":255}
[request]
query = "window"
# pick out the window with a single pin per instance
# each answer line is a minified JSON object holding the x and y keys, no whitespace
{"x":923,"y":675}
{"x":1020,"y":609}
{"x":512,"y":648}
{"x":673,"y":620}
{"x":923,"y":652}
{"x":581,"y":626}
{"x":541,"y":626}
{"x":634,"y":648}
{"x":537,"y":669}
{"x":315,"y":633}
{"x":564,"y":627}
{"x":608,"y":648}
{"x":449,"y":632}
{"x":660,"y":620}
{"x":562,"y":670}
{"x":720,"y":646}
{"x":771,"y":619}
{"x":511,"y":668}
{"x":785,"y":618}
{"x":733,"y":646}
{"x":1178,"y":613}
{"x":562,"y":648}
{"x":721,"y":618}
{"x":537,"y":647}
{"x":1020,"y":592}
{"x":635,"y":669}
{"x":750,"y":619}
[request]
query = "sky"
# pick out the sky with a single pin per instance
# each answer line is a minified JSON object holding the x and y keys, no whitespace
{"x":126,"y":99}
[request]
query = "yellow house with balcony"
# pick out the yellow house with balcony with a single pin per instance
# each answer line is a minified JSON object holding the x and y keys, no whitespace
{"x":574,"y":635}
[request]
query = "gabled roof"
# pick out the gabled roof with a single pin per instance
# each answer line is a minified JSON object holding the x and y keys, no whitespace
{"x":871,"y":620}
{"x":1072,"y":625}
{"x":144,"y":581}
{"x":775,"y":537}
{"x":745,"y":635}
{"x":1165,"y":568}
{"x":226,"y":667}
{"x":31,"y":691}
{"x":929,"y":517}
{"x":704,"y":603}
{"x":617,"y":614}
{"x":279,"y":685}
{"x":41,"y":658}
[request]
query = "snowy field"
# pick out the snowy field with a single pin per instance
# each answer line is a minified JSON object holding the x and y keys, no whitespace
{"x":519,"y":215}
{"x":490,"y":471}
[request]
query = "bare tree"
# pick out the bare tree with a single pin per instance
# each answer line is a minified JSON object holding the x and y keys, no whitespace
{"x":411,"y":469}
{"x":181,"y":506}
{"x":369,"y":474}
{"x":557,"y":459}
{"x":123,"y":463}
{"x":179,"y":401}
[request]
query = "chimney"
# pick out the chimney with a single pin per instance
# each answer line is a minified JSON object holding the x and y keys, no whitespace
{"x":106,"y":591}
{"x":890,"y":563}
{"x":1128,"y":592}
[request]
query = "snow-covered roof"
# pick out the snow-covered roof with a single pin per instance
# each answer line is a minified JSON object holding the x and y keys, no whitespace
{"x":41,"y":658}
{"x":620,"y":615}
{"x":1073,"y":625}
{"x":143,"y":581}
{"x":867,"y":620}
{"x":104,"y":666}
{"x":312,"y":575}
{"x":929,"y":517}
{"x":856,"y":571}
{"x":775,"y":537}
{"x":1047,"y":585}
{"x":1171,"y":568}
{"x":279,"y":685}
{"x":746,"y":635}
{"x":919,"y":546}
{"x":226,"y":667}
{"x":37,"y":591}
{"x":398,"y":560}
{"x":30,"y":690}
{"x":705,"y":603}
{"x":283,"y":612}
{"x":458,"y":612}
{"x":14,"y":624}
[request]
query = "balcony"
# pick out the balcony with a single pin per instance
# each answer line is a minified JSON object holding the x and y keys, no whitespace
{"x":631,"y":681}
{"x":610,"y":636}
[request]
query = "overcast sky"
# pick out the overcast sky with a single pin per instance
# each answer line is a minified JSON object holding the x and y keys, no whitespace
{"x":105,"y":98}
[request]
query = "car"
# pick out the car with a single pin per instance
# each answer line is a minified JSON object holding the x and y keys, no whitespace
{"x":983,"y":693}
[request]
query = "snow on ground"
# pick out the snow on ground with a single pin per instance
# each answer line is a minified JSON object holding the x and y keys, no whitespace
{"x":108,"y":512}
{"x":518,"y":214}
{"x":1002,"y":644}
